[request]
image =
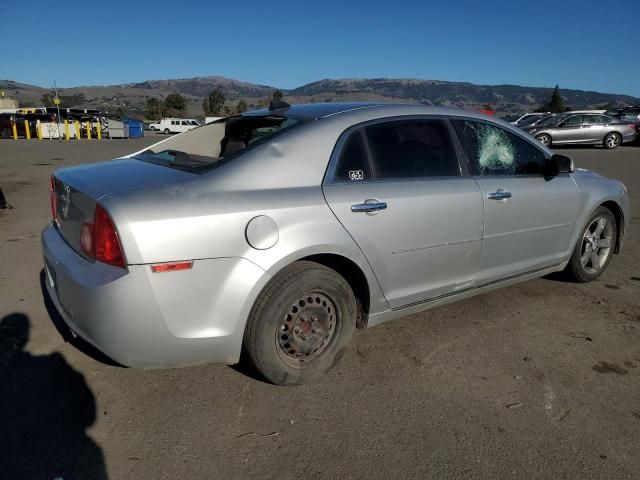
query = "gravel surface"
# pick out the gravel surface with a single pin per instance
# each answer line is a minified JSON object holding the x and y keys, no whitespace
{"x":538,"y":380}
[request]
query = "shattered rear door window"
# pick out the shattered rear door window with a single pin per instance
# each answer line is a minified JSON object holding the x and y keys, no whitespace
{"x":492,"y":150}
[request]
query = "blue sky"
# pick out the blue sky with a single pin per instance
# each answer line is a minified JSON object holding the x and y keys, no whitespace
{"x":586,"y":44}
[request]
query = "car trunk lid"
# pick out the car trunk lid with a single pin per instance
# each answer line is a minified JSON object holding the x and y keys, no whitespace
{"x":78,"y":189}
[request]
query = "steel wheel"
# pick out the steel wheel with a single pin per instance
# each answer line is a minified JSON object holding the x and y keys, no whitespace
{"x":300,"y":323}
{"x":612,"y":140}
{"x":596,"y":245}
{"x":544,"y":139}
{"x":307,"y":329}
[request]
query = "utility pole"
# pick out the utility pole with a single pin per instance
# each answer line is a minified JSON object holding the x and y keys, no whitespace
{"x":56,"y":100}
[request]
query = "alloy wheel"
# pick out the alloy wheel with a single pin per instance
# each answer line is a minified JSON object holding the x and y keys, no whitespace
{"x":596,"y":245}
{"x":612,"y":141}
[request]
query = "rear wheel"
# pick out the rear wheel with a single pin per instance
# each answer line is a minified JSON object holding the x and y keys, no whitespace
{"x":300,"y":324}
{"x":594,"y":248}
{"x":612,"y":140}
{"x":544,"y":139}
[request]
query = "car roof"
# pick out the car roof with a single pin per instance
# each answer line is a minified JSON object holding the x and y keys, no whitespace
{"x":315,"y":111}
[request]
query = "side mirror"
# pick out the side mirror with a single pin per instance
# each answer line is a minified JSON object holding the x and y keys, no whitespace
{"x":559,"y":164}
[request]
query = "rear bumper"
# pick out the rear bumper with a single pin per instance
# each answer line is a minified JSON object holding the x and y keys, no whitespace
{"x":145,"y":319}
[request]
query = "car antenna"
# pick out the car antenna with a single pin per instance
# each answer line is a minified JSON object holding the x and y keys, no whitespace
{"x":278,"y":104}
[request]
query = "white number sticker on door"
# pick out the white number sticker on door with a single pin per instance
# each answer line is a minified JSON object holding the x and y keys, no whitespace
{"x":356,"y":175}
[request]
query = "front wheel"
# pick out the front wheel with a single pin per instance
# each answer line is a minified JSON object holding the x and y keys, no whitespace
{"x":167,"y":131}
{"x":300,"y":324}
{"x":612,"y":140}
{"x":544,"y":139}
{"x":594,"y":248}
{"x":153,"y":129}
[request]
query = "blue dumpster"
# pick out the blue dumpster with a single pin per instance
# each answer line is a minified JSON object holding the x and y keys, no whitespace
{"x":136,"y":127}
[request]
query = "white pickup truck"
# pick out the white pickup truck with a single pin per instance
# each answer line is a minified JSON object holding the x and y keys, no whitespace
{"x":174,"y":125}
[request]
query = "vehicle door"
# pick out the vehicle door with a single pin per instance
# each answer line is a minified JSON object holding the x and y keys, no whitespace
{"x":569,"y":131}
{"x":595,"y":127}
{"x":398,"y":188}
{"x":528,"y":216}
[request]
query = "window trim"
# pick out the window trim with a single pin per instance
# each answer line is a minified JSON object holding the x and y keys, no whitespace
{"x":330,"y":177}
{"x":518,"y":134}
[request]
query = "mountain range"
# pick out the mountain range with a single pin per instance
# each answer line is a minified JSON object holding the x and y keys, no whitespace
{"x":132,"y":96}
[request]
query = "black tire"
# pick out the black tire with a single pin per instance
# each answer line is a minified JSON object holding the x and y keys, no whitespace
{"x":167,"y":131}
{"x":612,"y":140}
{"x":576,"y":268}
{"x":283,"y":313}
{"x":544,"y":139}
{"x":153,"y":129}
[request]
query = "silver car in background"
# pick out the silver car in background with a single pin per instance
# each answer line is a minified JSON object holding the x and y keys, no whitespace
{"x":585,"y":130}
{"x":278,"y":232}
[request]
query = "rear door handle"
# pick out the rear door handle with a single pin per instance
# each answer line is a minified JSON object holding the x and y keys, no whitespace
{"x":499,"y":194}
{"x":368,"y":206}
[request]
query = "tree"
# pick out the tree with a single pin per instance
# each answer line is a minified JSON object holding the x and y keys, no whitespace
{"x":205,"y":107}
{"x":227,"y":111}
{"x":153,"y":109}
{"x":216,"y":103}
{"x":47,"y":99}
{"x":556,"y":102}
{"x":242,"y":106}
{"x":175,"y":104}
{"x":277,"y":95}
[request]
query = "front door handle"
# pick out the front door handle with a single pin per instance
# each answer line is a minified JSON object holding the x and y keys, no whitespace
{"x":499,"y":194}
{"x":368,"y":206}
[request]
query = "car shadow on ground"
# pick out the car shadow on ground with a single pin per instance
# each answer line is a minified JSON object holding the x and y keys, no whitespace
{"x":45,"y":409}
{"x":66,"y":333}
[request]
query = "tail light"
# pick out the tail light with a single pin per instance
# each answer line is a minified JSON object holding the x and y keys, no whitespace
{"x":54,"y":209}
{"x":99,"y":240}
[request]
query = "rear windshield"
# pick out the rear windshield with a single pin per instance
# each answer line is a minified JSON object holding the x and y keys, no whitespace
{"x":218,"y":142}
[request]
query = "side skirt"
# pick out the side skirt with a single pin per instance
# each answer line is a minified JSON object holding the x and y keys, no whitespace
{"x":381,"y":317}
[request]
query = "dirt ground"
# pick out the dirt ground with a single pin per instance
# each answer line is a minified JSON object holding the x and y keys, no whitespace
{"x":539,"y":380}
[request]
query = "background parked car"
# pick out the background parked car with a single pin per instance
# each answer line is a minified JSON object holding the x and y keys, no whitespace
{"x":174,"y":125}
{"x":550,"y":120}
{"x":528,"y":118}
{"x":586,"y":130}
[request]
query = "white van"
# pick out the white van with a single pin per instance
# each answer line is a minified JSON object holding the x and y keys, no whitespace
{"x":174,"y":125}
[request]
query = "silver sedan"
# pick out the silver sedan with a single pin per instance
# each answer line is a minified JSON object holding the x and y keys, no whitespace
{"x":585,"y":130}
{"x":278,"y":232}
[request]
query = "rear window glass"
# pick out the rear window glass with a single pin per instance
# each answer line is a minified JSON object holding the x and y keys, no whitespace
{"x":353,"y":164}
{"x":228,"y":139}
{"x":412,"y":149}
{"x":400,"y":149}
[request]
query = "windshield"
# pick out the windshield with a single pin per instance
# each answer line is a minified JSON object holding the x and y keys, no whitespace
{"x":209,"y":145}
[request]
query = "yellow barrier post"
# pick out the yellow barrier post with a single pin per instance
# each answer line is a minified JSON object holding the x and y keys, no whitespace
{"x":99,"y":130}
{"x":77,"y":130}
{"x":66,"y":129}
{"x":88,"y":130}
{"x":39,"y":129}
{"x":14,"y":130}
{"x":27,"y":130}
